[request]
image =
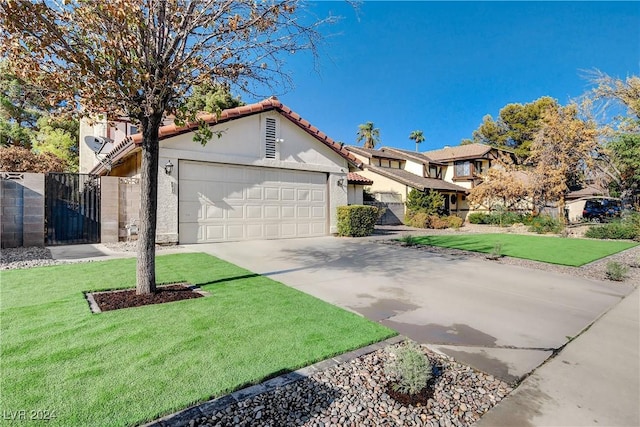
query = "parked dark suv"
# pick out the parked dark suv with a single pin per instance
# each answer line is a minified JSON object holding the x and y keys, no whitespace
{"x":601,"y":209}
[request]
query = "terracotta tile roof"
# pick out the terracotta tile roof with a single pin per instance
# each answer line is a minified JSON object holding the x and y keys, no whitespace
{"x":460,"y":152}
{"x":370,"y":152}
{"x":354,"y":178}
{"x":130,"y":144}
{"x":415,"y":181}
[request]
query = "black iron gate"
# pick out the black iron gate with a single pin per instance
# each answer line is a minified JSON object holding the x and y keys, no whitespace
{"x":72,"y":208}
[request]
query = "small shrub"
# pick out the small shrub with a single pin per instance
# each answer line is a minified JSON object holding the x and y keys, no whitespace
{"x":357,"y":220}
{"x":455,"y":222}
{"x":438,"y":223}
{"x":410,"y":368}
{"x":616,"y":271}
{"x":408,"y":240}
{"x":478,"y":218}
{"x":496,"y":252}
{"x":542,"y":224}
{"x":416,"y":219}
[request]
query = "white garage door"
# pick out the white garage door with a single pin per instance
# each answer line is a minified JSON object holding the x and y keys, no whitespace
{"x":220,"y":202}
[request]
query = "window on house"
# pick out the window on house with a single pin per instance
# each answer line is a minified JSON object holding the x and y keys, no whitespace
{"x":270,"y":138}
{"x":434,"y":172}
{"x":478,"y":165}
{"x":463,"y":169}
{"x":133,"y":130}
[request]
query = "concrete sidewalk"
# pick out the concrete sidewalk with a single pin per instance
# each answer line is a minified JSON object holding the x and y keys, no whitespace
{"x":593,"y":381}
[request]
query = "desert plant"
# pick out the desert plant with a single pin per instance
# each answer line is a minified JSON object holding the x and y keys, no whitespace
{"x":409,"y":368}
{"x":496,"y":251}
{"x":616,"y":271}
{"x":408,"y":240}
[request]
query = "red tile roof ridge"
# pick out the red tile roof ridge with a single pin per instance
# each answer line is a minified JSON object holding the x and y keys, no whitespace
{"x":166,"y":131}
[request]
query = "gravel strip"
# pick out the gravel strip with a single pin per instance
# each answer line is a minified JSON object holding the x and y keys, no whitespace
{"x":30,"y":257}
{"x":354,"y":394}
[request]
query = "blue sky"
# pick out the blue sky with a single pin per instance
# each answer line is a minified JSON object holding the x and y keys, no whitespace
{"x":441,"y":66}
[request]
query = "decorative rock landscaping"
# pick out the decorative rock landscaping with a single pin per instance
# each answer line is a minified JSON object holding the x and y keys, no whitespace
{"x":353,"y":393}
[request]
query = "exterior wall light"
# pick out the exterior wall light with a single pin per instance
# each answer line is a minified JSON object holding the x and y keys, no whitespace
{"x":340,"y":182}
{"x":168,"y":168}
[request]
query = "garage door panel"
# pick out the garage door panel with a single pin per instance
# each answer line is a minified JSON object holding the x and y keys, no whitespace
{"x":288,"y":212}
{"x":225,"y":202}
{"x":254,"y":193}
{"x":288,"y":194}
{"x":304,"y":212}
{"x":318,"y":212}
{"x":303,"y":229}
{"x":213,"y":212}
{"x":272,"y":231}
{"x":254,"y":212}
{"x":318,"y":196}
{"x":271,"y":193}
{"x":235,"y":212}
{"x":254,"y":231}
{"x":214,"y":232}
{"x":272,"y":212}
{"x":235,"y":231}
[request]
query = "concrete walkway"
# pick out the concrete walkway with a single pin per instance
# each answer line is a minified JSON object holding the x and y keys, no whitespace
{"x":593,"y":381}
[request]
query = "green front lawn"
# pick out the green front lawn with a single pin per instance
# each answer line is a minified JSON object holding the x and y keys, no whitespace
{"x":553,"y":250}
{"x":128,"y":366}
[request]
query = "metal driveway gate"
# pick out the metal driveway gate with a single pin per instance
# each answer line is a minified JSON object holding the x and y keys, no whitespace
{"x":72,"y":208}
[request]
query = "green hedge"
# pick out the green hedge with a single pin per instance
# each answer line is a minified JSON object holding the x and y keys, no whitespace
{"x":357,"y":220}
{"x":614,"y":230}
{"x":539,"y":224}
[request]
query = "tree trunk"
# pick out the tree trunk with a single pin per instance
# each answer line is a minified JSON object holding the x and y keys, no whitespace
{"x":561,"y":213}
{"x":146,"y":267}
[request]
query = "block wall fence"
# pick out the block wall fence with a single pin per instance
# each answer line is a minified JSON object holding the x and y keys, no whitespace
{"x":22,"y":208}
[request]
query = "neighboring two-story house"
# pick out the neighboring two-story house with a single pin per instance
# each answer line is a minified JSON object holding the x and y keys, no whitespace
{"x":452,"y":171}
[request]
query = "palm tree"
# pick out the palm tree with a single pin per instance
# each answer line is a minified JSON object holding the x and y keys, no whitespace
{"x":369,"y":134}
{"x":417,"y":136}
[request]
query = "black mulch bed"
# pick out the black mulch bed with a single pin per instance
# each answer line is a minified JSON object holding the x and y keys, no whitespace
{"x":419,"y":399}
{"x":116,"y":300}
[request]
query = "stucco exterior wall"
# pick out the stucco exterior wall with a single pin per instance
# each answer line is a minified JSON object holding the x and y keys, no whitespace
{"x":87,"y":157}
{"x":383,"y":184}
{"x":414,"y":167}
{"x":355,"y":194}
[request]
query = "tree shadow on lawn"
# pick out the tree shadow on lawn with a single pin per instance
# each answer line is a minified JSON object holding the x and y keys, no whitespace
{"x":228,"y":279}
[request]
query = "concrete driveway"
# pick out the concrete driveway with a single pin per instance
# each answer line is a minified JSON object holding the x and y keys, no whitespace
{"x":501,"y":319}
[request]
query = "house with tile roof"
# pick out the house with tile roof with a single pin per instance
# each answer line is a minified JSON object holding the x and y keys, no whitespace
{"x":270,"y":174}
{"x":452,"y":171}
